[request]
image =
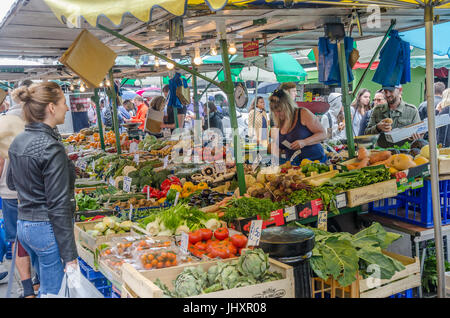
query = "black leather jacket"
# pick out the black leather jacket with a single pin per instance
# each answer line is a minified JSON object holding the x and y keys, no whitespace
{"x":44,"y":179}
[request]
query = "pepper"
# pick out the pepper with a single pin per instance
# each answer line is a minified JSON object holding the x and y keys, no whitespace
{"x":176,"y":187}
{"x":202,"y":186}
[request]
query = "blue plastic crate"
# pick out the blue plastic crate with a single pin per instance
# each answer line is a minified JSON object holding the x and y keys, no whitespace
{"x":105,"y":291}
{"x":88,"y":272}
{"x":404,"y":294}
{"x":414,"y":205}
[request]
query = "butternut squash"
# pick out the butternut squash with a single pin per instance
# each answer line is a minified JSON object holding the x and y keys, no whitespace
{"x":358,"y":165}
{"x":362,"y":153}
{"x":402,"y":162}
{"x":381,"y":156}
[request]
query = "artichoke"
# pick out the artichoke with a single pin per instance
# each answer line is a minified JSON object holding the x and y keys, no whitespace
{"x":271,"y":276}
{"x":253,"y":263}
{"x":245,"y":281}
{"x":213,"y":271}
{"x":100,"y":227}
{"x":190,"y":282}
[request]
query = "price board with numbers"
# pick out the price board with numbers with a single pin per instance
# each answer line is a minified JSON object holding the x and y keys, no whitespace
{"x":220,"y":167}
{"x":127,"y":184}
{"x":254,"y":234}
{"x":322,"y":219}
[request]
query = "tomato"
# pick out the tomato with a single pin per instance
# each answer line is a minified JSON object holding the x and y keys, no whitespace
{"x":200,"y":245}
{"x":239,"y":240}
{"x":206,"y":234}
{"x":232,"y":249}
{"x":222,"y":253}
{"x":195,"y":237}
{"x":221,"y":233}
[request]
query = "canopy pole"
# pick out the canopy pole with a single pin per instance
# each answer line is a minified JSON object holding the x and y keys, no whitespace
{"x":175,"y":115}
{"x":435,"y":193}
{"x":162,"y":57}
{"x":194,"y":86}
{"x":113,"y":97}
{"x":256,"y":97}
{"x":346,"y":99}
{"x":229,"y":90}
{"x":209,"y":85}
{"x":366,"y":71}
{"x":96,"y":100}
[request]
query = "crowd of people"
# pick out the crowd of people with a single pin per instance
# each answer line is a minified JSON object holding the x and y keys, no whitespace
{"x":37,"y":178}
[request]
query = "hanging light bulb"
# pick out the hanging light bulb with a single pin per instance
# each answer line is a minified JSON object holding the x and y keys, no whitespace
{"x":213,"y":50}
{"x":232,"y":49}
{"x":72,"y":87}
{"x":108,"y":83}
{"x":156,"y":62}
{"x":170,"y":65}
{"x":101,"y":84}
{"x":82,"y":88}
{"x":197,"y":58}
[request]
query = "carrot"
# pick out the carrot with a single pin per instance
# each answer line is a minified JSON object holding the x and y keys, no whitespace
{"x":362,"y":153}
{"x":381,"y":156}
{"x":220,"y":214}
{"x":358,"y":165}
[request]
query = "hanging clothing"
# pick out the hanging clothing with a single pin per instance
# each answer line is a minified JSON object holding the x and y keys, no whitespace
{"x":329,"y":72}
{"x":299,"y":132}
{"x":395,"y":64}
{"x":174,"y":101}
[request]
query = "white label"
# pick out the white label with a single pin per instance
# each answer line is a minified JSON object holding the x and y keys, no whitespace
{"x":166,"y":161}
{"x":286,"y":143}
{"x":220,"y":167}
{"x":111,"y":181}
{"x":130,"y":215}
{"x":184,"y":242}
{"x":148,"y":193}
{"x":341,"y":201}
{"x":322,"y":219}
{"x":176,"y":198}
{"x":133,"y":147}
{"x":295,"y":155}
{"x":289,"y":214}
{"x":255,"y":233}
{"x":136,"y":158}
{"x":126,"y":184}
{"x":70,"y":149}
{"x":257,"y":161}
{"x":166,"y":133}
{"x":93,"y":166}
{"x":82,"y":164}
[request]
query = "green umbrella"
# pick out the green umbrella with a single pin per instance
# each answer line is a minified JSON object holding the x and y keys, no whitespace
{"x":287,"y":69}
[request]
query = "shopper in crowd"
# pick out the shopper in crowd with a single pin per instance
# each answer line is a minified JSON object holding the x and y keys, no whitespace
{"x":212,"y":119}
{"x":141,"y":113}
{"x":400,"y":114}
{"x":155,"y":116}
{"x":9,"y":210}
{"x":44,"y":178}
{"x":378,"y":99}
{"x":332,"y":120}
{"x":169,"y":121}
{"x":92,"y":112}
{"x":359,"y":108}
{"x":258,"y":121}
{"x":443,"y":133}
{"x":299,"y":129}
{"x":107,"y":117}
{"x":439,"y":88}
{"x":80,"y":118}
{"x":290,"y":88}
{"x":125,"y":110}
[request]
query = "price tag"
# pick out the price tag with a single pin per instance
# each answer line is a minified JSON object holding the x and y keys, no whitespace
{"x":166,"y":161}
{"x":220,"y":167}
{"x":133,"y":147}
{"x":254,"y":234}
{"x":184,"y":242}
{"x":176,"y":198}
{"x":290,"y":214}
{"x":126,"y":184}
{"x":322,"y":219}
{"x":286,"y":144}
{"x":341,"y":201}
{"x":148,"y":193}
{"x":130,"y":214}
{"x":256,"y":163}
{"x":70,"y":149}
{"x":136,"y":158}
{"x":93,"y":165}
{"x":111,"y":181}
{"x":82,"y":164}
{"x":166,"y":133}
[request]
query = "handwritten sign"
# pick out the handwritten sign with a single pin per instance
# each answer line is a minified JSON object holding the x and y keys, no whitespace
{"x":148,"y":193}
{"x":254,"y":234}
{"x":130,"y":214}
{"x":126,"y":184}
{"x":133,"y":147}
{"x":166,"y":161}
{"x":322,"y":220}
{"x":70,"y":149}
{"x":220,"y":167}
{"x":166,"y":133}
{"x":184,"y":242}
{"x":82,"y":164}
{"x":251,"y":48}
{"x":290,"y":214}
{"x":111,"y":181}
{"x":341,"y":200}
{"x":177,"y":196}
{"x":136,"y":158}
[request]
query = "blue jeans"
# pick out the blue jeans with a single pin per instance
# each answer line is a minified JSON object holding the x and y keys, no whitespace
{"x":9,"y":210}
{"x":39,"y":241}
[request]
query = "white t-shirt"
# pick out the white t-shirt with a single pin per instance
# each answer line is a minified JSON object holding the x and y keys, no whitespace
{"x":5,"y":193}
{"x":356,"y":122}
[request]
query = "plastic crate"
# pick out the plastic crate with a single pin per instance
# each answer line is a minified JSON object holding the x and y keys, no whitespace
{"x":88,"y":272}
{"x":414,"y":205}
{"x":105,"y":291}
{"x":404,"y":294}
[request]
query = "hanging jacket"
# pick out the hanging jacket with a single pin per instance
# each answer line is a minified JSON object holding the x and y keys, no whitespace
{"x":173,"y":84}
{"x":394,"y":67}
{"x":329,"y":72}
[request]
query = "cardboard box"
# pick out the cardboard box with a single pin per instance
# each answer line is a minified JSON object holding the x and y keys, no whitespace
{"x":399,"y":134}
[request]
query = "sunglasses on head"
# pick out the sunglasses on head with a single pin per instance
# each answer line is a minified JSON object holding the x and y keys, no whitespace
{"x":278,"y":93}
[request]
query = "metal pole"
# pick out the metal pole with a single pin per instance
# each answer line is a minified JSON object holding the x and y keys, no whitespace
{"x":256,"y":97}
{"x":433,"y":152}
{"x":366,"y":71}
{"x":196,"y":108}
{"x":175,"y":115}
{"x":346,"y":99}
{"x":229,"y":90}
{"x":162,"y":57}
{"x":99,"y":118}
{"x":209,"y":85}
{"x":113,"y":97}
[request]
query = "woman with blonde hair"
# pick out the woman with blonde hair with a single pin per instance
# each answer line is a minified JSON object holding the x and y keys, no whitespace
{"x":257,"y":120}
{"x":443,"y":133}
{"x":300,"y":131}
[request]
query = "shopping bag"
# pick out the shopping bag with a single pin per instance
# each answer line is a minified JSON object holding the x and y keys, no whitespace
{"x":64,"y":291}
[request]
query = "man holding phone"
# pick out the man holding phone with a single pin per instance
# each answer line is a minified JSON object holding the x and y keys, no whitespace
{"x":394,"y":114}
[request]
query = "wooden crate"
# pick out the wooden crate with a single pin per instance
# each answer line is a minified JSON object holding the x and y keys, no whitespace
{"x":363,"y":288}
{"x":141,"y":283}
{"x":109,"y":273}
{"x":87,"y":255}
{"x":370,"y":193}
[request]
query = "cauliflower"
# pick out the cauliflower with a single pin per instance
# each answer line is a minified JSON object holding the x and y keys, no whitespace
{"x":153,"y":228}
{"x":213,"y":224}
{"x":182,"y":228}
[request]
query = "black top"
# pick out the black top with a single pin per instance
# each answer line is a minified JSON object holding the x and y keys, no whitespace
{"x":215,"y":121}
{"x":443,"y":133}
{"x":171,"y":117}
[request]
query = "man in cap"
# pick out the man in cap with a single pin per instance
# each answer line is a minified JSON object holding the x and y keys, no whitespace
{"x":394,"y":114}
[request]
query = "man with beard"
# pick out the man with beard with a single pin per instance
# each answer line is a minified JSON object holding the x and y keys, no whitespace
{"x":394,"y":114}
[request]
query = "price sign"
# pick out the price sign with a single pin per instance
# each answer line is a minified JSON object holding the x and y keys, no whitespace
{"x":257,"y":161}
{"x":130,"y":214}
{"x":148,"y":193}
{"x":126,"y":184}
{"x":93,"y":165}
{"x":133,"y":147}
{"x":166,"y":161}
{"x":70,"y":149}
{"x":176,"y":198}
{"x":166,"y":133}
{"x":290,"y":214}
{"x":341,"y":201}
{"x":184,"y":242}
{"x":322,"y":219}
{"x":136,"y":158}
{"x":220,"y":167}
{"x":111,"y":181}
{"x":82,"y":164}
{"x":255,"y":233}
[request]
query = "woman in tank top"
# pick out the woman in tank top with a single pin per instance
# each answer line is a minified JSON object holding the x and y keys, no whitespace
{"x":299,"y":131}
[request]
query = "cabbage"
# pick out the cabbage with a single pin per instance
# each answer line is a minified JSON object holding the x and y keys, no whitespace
{"x":100,"y":227}
{"x":253,"y":263}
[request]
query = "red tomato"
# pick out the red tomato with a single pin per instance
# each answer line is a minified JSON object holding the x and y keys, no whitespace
{"x":221,"y":233}
{"x":195,"y":237}
{"x":206,"y":234}
{"x":200,"y":245}
{"x":222,"y":253}
{"x":239,"y":240}
{"x":232,"y":249}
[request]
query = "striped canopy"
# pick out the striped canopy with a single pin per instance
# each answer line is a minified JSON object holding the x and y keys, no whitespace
{"x":91,"y":10}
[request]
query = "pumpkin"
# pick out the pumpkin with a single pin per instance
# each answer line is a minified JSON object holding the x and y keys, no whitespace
{"x":402,"y":162}
{"x":420,"y":160}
